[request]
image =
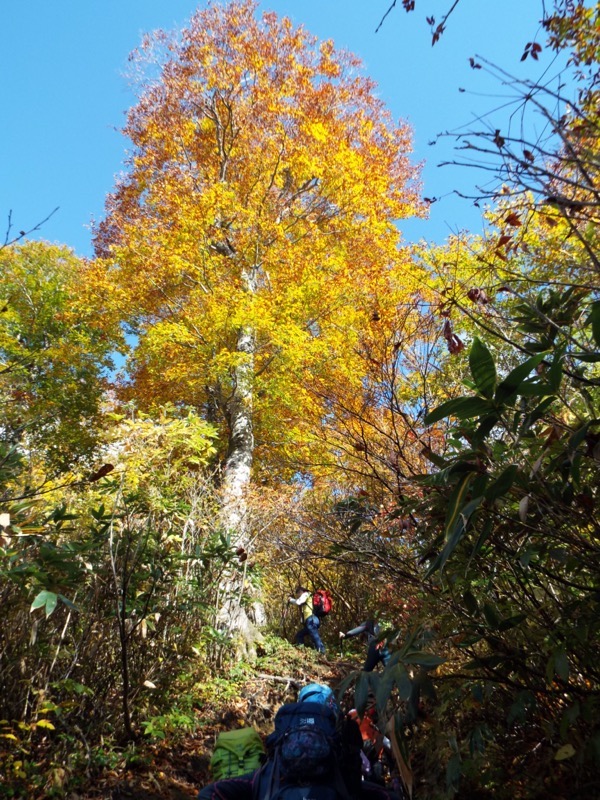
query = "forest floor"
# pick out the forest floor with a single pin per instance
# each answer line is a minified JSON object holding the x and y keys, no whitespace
{"x":176,"y":768}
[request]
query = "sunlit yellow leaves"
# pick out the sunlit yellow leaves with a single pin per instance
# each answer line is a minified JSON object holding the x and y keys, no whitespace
{"x":45,"y":723}
{"x":170,"y":446}
{"x":261,"y":196}
{"x":318,"y":131}
{"x":55,"y":341}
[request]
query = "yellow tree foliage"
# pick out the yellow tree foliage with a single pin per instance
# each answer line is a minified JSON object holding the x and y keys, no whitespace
{"x":254,"y":232}
{"x":55,"y":351}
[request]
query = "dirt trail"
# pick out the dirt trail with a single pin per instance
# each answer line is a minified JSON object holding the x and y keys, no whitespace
{"x":176,"y":771}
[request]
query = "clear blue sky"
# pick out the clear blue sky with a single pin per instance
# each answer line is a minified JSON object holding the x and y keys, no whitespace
{"x":64,"y":95}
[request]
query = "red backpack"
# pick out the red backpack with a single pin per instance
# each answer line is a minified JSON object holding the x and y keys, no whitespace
{"x":322,"y":603}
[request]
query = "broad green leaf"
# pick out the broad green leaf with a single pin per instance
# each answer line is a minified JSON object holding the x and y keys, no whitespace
{"x":403,"y":682}
{"x":434,"y":458}
{"x":51,"y":603}
{"x":47,"y":599}
{"x":427,"y":660}
{"x":460,"y":407}
{"x":561,"y":665}
{"x":502,"y":484}
{"x":48,"y":706}
{"x":537,"y":413}
{"x":470,"y":602}
{"x":361,"y":692}
{"x":39,"y":601}
{"x":512,"y":622}
{"x":492,"y":618}
{"x":69,"y":603}
{"x":449,"y":474}
{"x":533,"y":387}
{"x":558,"y":664}
{"x":453,"y":772}
{"x":455,"y":535}
{"x":482,"y":368}
{"x":476,"y":740}
{"x":555,"y":373}
{"x":485,"y":426}
{"x":455,"y":504}
{"x":569,"y":718}
{"x":518,"y":710}
{"x":98,"y":513}
{"x":550,"y":670}
{"x":509,"y":387}
{"x":469,"y":641}
{"x":578,"y":437}
{"x":594,"y":319}
{"x":346,"y":683}
{"x":383,"y":691}
{"x":488,"y":525}
{"x":532,"y":327}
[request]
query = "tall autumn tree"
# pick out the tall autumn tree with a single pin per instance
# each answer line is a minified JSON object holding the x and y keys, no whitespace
{"x":254,"y":230}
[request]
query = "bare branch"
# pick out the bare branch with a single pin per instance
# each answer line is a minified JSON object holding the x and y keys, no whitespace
{"x":22,"y":234}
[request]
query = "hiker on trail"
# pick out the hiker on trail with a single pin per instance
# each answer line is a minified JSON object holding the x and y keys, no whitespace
{"x":310,"y":621}
{"x":312,"y":754}
{"x":377,"y":651}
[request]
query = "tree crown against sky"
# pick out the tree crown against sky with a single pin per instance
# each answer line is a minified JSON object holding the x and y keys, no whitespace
{"x":55,"y":355}
{"x":261,"y":195}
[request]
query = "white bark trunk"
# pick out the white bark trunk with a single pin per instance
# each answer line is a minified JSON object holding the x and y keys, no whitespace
{"x":238,"y":464}
{"x":235,"y":486}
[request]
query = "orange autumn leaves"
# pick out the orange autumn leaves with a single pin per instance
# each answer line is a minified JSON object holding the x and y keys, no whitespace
{"x":261,"y":194}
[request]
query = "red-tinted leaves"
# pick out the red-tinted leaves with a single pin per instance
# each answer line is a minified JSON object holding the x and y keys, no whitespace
{"x":478,"y":296}
{"x":455,"y":344}
{"x":532,"y":49}
{"x":100,"y":473}
{"x":437,"y":33}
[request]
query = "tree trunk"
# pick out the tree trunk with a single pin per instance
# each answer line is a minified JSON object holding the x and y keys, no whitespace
{"x":234,"y":491}
{"x":238,"y":464}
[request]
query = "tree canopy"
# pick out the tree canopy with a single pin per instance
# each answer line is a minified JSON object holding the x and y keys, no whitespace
{"x":308,"y":400}
{"x":261,"y":199}
{"x":56,"y":351}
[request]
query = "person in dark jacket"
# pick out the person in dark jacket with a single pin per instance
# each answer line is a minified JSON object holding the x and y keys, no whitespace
{"x":377,"y":651}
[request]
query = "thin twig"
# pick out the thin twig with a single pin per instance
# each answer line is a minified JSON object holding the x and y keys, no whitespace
{"x":23,"y":234}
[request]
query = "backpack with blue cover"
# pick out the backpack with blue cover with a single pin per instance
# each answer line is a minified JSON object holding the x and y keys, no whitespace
{"x":318,"y":693}
{"x":304,"y":755}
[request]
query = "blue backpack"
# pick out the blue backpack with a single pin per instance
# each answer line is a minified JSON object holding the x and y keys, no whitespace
{"x":303,"y":756}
